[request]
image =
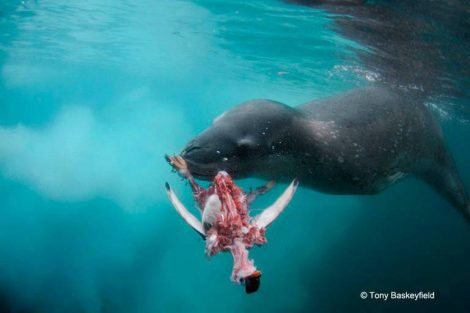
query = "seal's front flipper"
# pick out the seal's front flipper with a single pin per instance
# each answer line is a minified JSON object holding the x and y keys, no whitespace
{"x":251,"y":196}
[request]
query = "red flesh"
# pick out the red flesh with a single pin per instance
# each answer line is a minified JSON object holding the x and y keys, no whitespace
{"x":232,"y":230}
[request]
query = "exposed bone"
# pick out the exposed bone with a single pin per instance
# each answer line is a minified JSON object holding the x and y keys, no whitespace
{"x":185,"y":214}
{"x":242,"y":265}
{"x":270,"y":213}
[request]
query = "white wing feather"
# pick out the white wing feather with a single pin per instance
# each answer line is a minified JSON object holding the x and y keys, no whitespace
{"x":181,"y":209}
{"x":270,"y":213}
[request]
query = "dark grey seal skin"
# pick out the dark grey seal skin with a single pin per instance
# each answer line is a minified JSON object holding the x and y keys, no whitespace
{"x":420,"y":44}
{"x":358,"y":142}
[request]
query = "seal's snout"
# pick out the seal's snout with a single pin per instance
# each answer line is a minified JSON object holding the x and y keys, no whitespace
{"x":196,"y":153}
{"x":194,"y":147}
{"x":201,"y":159}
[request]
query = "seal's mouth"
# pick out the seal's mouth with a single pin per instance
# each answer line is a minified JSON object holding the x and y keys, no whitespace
{"x":210,"y":170}
{"x":182,"y":165}
{"x":202,"y":171}
{"x":197,"y":160}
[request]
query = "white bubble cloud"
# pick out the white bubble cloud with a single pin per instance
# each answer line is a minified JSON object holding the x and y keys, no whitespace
{"x":115,"y":154}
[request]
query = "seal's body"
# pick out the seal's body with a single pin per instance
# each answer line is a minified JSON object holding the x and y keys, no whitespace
{"x":356,"y":143}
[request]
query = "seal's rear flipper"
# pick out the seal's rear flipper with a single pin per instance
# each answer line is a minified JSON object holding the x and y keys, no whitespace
{"x":466,"y":212}
{"x":446,"y":180}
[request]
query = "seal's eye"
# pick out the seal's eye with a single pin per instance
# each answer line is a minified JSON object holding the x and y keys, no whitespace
{"x":244,"y":147}
{"x":243,"y":150}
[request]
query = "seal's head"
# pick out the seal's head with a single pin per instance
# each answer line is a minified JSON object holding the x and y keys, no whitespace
{"x":240,"y":140}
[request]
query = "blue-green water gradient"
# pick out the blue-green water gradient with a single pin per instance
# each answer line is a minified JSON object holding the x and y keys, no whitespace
{"x":94,"y":93}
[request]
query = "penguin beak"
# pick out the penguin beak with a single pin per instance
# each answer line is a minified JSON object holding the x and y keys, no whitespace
{"x":272,"y":212}
{"x":252,"y":282}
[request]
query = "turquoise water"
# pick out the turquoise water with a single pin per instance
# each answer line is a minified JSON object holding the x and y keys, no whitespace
{"x":94,"y":93}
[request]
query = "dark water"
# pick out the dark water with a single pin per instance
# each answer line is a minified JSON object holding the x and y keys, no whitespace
{"x":94,"y":93}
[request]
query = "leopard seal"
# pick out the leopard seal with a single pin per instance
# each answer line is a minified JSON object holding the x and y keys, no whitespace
{"x":358,"y":142}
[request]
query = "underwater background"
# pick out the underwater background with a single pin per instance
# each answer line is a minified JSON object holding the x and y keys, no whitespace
{"x":93,"y":93}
